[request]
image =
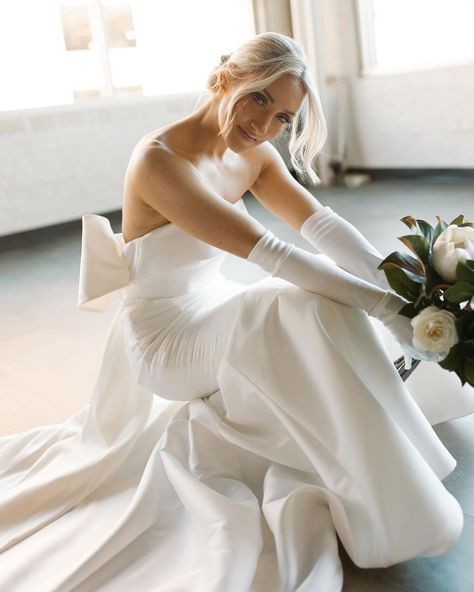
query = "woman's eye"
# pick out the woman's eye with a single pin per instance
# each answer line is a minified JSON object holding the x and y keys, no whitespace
{"x":284,"y":119}
{"x":260,"y":99}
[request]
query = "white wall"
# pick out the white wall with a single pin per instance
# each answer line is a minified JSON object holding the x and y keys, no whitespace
{"x":417,"y":119}
{"x":412,"y":120}
{"x":61,"y":162}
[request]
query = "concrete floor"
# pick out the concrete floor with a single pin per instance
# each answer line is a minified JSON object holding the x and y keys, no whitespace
{"x":40,"y":325}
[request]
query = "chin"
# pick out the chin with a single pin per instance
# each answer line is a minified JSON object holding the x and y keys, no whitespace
{"x":239,"y":149}
{"x":237,"y":144}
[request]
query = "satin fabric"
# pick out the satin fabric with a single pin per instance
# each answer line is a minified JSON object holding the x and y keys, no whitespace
{"x":234,"y":434}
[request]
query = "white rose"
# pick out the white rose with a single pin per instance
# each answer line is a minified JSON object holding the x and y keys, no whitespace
{"x":434,"y":330}
{"x":454,"y":244}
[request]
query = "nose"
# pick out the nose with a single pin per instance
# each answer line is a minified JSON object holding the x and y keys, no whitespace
{"x":260,"y":125}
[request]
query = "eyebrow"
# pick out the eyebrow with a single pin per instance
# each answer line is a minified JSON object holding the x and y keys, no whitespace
{"x":273,"y":100}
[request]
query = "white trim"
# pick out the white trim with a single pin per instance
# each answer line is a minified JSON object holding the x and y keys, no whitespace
{"x":100,"y":38}
{"x":306,"y":25}
{"x":365,"y":35}
{"x":379,"y":72}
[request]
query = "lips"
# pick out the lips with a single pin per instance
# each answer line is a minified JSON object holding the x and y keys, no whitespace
{"x":245,"y":135}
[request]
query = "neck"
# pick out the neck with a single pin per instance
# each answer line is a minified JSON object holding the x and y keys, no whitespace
{"x":206,"y":122}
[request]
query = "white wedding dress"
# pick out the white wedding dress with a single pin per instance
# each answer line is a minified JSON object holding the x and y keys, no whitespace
{"x":232,"y":433}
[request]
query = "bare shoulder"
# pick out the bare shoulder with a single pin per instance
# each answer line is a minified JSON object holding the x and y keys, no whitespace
{"x":279,"y":192}
{"x":270,"y":163}
{"x":169,"y":183}
{"x":267,"y":153}
{"x":155,"y":163}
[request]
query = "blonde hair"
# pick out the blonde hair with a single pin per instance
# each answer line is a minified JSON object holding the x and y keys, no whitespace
{"x":258,"y":63}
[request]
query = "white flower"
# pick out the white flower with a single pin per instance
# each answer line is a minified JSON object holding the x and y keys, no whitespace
{"x":434,"y":330}
{"x":454,"y":244}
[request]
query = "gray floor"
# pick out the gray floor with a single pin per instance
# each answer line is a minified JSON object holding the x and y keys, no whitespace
{"x":41,"y":325}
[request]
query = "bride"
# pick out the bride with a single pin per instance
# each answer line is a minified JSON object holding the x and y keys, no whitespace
{"x":235,"y":433}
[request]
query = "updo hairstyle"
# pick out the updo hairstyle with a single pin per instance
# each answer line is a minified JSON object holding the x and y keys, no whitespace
{"x":258,"y":63}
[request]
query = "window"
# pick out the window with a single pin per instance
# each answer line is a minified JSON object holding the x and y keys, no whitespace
{"x":413,"y":34}
{"x":63,"y":51}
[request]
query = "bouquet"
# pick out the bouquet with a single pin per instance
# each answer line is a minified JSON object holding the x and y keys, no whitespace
{"x":437,"y":279}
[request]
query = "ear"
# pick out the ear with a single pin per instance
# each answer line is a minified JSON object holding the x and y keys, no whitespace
{"x":223,"y":82}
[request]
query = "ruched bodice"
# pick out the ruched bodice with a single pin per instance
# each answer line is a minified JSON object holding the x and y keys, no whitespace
{"x":168,"y":262}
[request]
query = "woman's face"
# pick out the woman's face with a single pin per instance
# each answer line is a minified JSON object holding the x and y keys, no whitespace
{"x":262,"y":115}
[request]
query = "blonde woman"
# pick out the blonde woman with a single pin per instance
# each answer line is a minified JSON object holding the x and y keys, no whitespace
{"x":235,"y":431}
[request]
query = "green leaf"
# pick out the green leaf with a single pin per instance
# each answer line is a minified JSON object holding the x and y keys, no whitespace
{"x":404,"y":283}
{"x":465,"y":272}
{"x":418,"y":245}
{"x":467,"y":348}
{"x":438,"y":230}
{"x":409,"y":221}
{"x":459,"y":292}
{"x":462,"y":376}
{"x":434,"y":281}
{"x":464,"y":224}
{"x":463,"y":325}
{"x":404,"y":261}
{"x":409,"y":310}
{"x":469,"y":371}
{"x":452,"y":360}
{"x":426,"y":230}
{"x":458,"y":220}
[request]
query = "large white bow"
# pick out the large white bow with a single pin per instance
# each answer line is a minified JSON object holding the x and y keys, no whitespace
{"x":104,"y":269}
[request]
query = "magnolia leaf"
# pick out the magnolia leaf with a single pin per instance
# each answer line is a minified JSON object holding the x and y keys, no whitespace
{"x":403,"y":260}
{"x":421,"y":300}
{"x":438,"y":229}
{"x":466,"y":224}
{"x":469,"y":371}
{"x":465,"y":272}
{"x":459,"y":292}
{"x":426,"y":230}
{"x":467,"y":347}
{"x":418,"y":245}
{"x":409,"y":221}
{"x":463,"y":325}
{"x":403,"y":283}
{"x":452,"y":360}
{"x":458,"y":220}
{"x":462,"y":377}
{"x":434,"y":281}
{"x":409,"y":310}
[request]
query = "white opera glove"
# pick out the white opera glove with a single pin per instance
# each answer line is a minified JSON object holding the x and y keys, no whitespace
{"x":337,"y":238}
{"x":318,"y":274}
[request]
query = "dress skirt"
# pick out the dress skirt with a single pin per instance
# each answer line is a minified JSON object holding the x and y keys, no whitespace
{"x":229,"y":451}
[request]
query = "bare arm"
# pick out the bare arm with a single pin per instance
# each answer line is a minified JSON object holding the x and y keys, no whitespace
{"x":280,"y":193}
{"x":172,"y":186}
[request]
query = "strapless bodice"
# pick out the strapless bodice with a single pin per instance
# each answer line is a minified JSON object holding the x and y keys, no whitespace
{"x":163,"y":263}
{"x":167,"y":261}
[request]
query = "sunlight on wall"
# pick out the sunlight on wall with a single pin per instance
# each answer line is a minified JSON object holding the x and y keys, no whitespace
{"x":61,"y":51}
{"x":422,"y":33}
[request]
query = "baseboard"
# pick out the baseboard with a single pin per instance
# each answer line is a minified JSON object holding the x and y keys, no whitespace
{"x":36,"y":236}
{"x":407,"y":173}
